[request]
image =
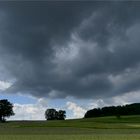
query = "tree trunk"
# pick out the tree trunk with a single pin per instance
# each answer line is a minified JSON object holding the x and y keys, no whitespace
{"x":2,"y":119}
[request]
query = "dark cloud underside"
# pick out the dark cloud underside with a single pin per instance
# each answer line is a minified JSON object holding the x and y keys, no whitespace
{"x":78,"y":49}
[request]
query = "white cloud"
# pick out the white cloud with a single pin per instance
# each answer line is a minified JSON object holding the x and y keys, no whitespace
{"x":36,"y":111}
{"x":96,"y":104}
{"x":78,"y":111}
{"x":128,"y":98}
{"x":30,"y":111}
{"x":4,"y":85}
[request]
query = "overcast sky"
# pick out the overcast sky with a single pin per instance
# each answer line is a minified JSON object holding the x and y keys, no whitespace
{"x":69,"y":55}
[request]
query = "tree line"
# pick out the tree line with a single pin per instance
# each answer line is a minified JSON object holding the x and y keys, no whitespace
{"x":6,"y":110}
{"x":130,"y":109}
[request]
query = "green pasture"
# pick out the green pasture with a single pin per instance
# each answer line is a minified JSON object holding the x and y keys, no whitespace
{"x":103,"y":128}
{"x":71,"y":137}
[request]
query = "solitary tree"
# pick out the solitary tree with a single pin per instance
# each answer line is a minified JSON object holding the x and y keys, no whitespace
{"x":52,"y":114}
{"x":61,"y":115}
{"x":6,"y":109}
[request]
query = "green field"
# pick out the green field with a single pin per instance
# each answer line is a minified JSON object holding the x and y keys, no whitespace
{"x":103,"y":128}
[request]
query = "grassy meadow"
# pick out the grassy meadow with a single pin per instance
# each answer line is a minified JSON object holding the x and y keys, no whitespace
{"x":103,"y":128}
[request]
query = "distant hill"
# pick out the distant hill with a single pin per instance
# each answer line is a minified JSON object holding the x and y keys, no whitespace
{"x":129,"y":109}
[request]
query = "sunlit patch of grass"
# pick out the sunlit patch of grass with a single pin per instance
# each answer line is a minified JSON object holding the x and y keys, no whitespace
{"x":134,"y":125}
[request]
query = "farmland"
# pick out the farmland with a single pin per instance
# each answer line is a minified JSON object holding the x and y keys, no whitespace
{"x":103,"y":128}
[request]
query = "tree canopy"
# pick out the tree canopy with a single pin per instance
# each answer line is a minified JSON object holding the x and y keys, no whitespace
{"x":131,"y":109}
{"x":6,"y":109}
{"x":52,"y":114}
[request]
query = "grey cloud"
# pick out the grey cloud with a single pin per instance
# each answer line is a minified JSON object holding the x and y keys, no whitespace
{"x":78,"y":49}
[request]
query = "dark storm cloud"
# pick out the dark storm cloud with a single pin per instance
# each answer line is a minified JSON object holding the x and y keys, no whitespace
{"x":78,"y":49}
